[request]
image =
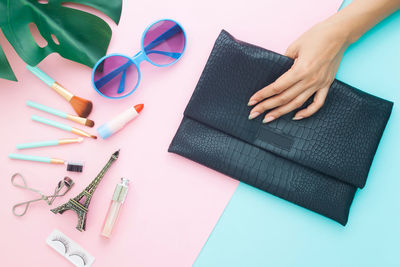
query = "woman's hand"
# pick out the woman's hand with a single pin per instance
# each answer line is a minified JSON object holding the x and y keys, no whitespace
{"x":317,"y":55}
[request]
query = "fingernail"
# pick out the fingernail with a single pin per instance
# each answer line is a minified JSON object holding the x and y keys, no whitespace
{"x":253,"y":115}
{"x":296,"y":118}
{"x":268,"y":119}
{"x":252,"y":102}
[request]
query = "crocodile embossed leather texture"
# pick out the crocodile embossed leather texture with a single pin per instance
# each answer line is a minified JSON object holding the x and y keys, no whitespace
{"x":317,"y":162}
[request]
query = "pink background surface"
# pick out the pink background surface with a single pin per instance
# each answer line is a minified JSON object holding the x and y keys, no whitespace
{"x":173,"y":203}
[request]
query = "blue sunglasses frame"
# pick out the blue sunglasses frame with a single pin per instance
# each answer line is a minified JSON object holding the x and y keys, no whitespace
{"x":137,"y":59}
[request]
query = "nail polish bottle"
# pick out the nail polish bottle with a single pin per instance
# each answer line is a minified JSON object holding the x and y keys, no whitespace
{"x":118,"y":199}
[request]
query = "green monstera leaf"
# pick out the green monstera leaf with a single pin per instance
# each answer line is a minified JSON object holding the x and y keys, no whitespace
{"x":74,"y":34}
{"x":5,"y":69}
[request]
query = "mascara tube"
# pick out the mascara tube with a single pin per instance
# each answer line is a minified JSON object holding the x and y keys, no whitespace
{"x":118,"y":199}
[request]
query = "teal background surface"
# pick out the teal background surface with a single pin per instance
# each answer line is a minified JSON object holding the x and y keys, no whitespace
{"x":259,"y":229}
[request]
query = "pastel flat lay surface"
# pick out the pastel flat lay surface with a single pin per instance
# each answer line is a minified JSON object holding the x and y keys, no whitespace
{"x":173,"y":203}
{"x":271,"y":232}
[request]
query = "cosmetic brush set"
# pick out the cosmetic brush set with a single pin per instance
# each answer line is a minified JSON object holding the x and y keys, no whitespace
{"x":81,"y":106}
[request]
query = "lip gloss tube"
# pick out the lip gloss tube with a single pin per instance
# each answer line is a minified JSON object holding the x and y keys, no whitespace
{"x":118,"y":199}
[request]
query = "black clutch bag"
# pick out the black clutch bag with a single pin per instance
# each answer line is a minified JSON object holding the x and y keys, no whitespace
{"x":317,"y":162}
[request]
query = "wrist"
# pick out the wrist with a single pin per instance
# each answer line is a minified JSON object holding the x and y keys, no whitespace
{"x":345,"y":29}
{"x":359,"y":16}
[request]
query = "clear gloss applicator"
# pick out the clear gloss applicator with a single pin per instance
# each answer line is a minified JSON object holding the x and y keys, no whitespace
{"x":118,"y":199}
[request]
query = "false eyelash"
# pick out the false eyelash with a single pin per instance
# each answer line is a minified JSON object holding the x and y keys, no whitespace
{"x":63,"y":241}
{"x":81,"y":255}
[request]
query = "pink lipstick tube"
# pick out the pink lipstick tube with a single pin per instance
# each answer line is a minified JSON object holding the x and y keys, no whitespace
{"x":118,"y":199}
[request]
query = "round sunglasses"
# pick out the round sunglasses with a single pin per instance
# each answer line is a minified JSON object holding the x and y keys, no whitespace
{"x":117,"y":76}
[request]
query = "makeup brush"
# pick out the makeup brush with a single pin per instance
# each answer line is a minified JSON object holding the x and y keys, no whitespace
{"x":61,"y":114}
{"x":56,"y":142}
{"x":81,"y":106}
{"x":63,"y":126}
{"x":71,"y":166}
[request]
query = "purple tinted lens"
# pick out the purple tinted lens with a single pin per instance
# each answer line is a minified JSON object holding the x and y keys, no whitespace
{"x":116,"y":76}
{"x":164,"y":42}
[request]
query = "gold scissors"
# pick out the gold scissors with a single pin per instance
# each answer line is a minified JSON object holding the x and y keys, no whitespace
{"x":66,"y":183}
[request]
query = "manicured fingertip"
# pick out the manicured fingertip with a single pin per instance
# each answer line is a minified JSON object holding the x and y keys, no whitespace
{"x":253,"y":115}
{"x":268,"y":119}
{"x":252,"y":103}
{"x":297,"y":117}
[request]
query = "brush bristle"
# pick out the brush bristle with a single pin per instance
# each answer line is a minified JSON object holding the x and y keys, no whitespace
{"x":93,"y":136}
{"x":74,"y":167}
{"x":89,"y":123}
{"x":81,"y":106}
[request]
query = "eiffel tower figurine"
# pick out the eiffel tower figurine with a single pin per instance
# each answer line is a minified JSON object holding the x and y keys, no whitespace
{"x":80,"y":203}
